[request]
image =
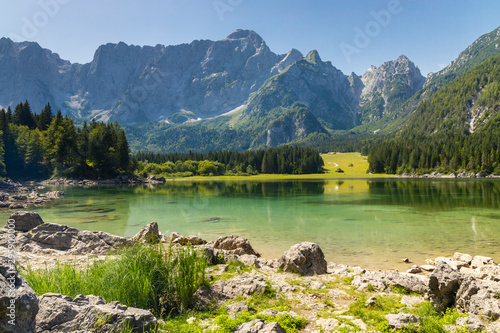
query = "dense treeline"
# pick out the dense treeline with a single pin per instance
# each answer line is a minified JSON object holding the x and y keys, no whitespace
{"x":457,"y":129}
{"x":42,"y":145}
{"x":282,"y":160}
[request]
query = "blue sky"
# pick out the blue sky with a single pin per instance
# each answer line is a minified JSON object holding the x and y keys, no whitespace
{"x":352,"y":34}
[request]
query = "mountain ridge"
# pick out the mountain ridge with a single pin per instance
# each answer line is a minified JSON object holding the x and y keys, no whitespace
{"x":234,"y":84}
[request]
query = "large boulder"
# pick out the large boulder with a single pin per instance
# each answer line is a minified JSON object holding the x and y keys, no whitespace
{"x":234,"y":245}
{"x":24,"y":221}
{"x":59,"y":313}
{"x":479,"y":297}
{"x":148,"y":234}
{"x":18,"y":302}
{"x":305,"y":259}
{"x":54,"y":239}
{"x":444,"y":282}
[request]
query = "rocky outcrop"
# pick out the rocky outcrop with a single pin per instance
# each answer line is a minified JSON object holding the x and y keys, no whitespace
{"x":305,"y":259}
{"x":56,"y":239}
{"x":234,"y":245}
{"x":13,"y":195}
{"x":149,"y":234}
{"x":384,"y":280}
{"x":18,"y":302}
{"x":24,"y":221}
{"x":444,"y":282}
{"x":479,"y":297}
{"x":240,"y":286}
{"x":62,"y":314}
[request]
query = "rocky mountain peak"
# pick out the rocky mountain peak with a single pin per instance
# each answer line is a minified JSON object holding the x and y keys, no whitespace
{"x":313,"y":57}
{"x":386,"y":86}
{"x":249,"y":35}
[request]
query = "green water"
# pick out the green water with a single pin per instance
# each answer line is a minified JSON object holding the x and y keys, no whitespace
{"x":370,"y":223}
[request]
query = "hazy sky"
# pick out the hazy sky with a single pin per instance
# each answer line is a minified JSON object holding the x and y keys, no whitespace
{"x":352,"y":34}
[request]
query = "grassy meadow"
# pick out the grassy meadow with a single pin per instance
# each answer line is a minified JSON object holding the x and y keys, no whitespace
{"x":332,"y":163}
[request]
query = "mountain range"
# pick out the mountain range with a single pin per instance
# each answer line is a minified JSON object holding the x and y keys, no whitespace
{"x":234,"y":93}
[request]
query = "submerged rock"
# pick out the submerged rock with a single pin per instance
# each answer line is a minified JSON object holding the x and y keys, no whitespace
{"x":305,"y":259}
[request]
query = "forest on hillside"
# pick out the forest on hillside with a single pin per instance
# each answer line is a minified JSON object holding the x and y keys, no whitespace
{"x":41,"y":145}
{"x":280,"y":160}
{"x":457,"y":129}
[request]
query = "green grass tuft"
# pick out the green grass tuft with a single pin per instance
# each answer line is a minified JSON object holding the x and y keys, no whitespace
{"x":144,"y":276}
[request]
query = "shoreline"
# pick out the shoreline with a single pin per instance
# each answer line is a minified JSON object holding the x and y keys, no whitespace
{"x":321,"y":296}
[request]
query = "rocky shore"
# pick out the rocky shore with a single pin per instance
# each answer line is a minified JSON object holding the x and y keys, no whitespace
{"x":14,"y":195}
{"x":463,"y":174}
{"x":328,"y":297}
{"x":90,"y":182}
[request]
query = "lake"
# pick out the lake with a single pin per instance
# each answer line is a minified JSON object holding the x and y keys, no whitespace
{"x":373,"y":223}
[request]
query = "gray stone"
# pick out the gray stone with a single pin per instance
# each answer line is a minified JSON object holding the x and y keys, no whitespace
{"x":401,"y":320}
{"x":235,"y":245}
{"x":371,"y":302}
{"x":305,"y":259}
{"x":444,"y":282}
{"x":479,"y":261}
{"x":463,"y":257}
{"x":259,"y":326}
{"x":240,"y":286}
{"x":479,"y":297}
{"x":25,"y":221}
{"x":239,"y":307}
{"x":411,"y":301}
{"x":269,"y":312}
{"x":54,"y":239}
{"x":385,"y":280}
{"x":315,"y":285}
{"x":249,"y":260}
{"x":428,"y":268}
{"x":148,"y":234}
{"x":18,"y":302}
{"x":59,"y":313}
{"x":472,"y":323}
{"x":414,"y":270}
{"x":327,"y":324}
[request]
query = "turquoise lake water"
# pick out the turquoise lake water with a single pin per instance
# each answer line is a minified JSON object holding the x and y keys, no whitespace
{"x":370,"y":223}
